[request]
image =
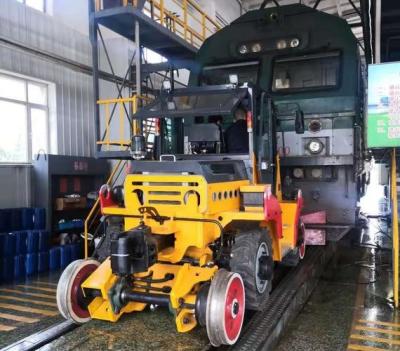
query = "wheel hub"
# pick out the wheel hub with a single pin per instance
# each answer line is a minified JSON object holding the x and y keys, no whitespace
{"x":264,"y":268}
{"x":225,"y":308}
{"x":71,"y":302}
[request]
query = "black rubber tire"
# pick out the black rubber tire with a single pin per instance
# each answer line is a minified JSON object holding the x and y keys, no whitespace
{"x":244,"y":261}
{"x":291,"y":259}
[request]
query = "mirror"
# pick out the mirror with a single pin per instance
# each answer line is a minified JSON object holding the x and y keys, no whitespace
{"x":299,"y":122}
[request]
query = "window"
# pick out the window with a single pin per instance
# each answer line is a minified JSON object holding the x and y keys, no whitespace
{"x":307,"y":72}
{"x":246,"y":72}
{"x":23,"y":118}
{"x":39,"y":5}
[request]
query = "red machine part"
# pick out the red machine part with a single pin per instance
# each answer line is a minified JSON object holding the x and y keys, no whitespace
{"x":272,"y":211}
{"x":315,"y":236}
{"x":105,"y":196}
{"x":234,"y":308}
{"x":70,"y":299}
{"x":298,"y":221}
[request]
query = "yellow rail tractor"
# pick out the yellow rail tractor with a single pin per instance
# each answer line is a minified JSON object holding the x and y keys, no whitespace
{"x":200,"y":235}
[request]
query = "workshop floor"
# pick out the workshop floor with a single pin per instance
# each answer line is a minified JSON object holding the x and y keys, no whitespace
{"x":27,"y":307}
{"x":351,"y":309}
{"x":352,"y":306}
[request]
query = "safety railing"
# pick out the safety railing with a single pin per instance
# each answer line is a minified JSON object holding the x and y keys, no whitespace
{"x":118,"y":126}
{"x":185,"y":18}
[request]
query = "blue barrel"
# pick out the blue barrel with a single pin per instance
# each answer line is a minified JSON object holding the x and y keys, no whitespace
{"x":6,"y":219}
{"x":65,"y":255}
{"x":21,"y":242}
{"x":3,"y":221}
{"x":43,"y":261}
{"x":16,"y":219}
{"x":32,"y":242}
{"x":19,"y":267}
{"x":44,"y":240}
{"x":8,"y":244}
{"x":7,"y":268}
{"x":31,"y":263}
{"x":39,"y":218}
{"x":27,"y":218}
{"x":75,"y":251}
{"x":54,"y":260}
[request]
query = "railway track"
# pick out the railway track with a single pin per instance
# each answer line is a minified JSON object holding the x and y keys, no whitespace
{"x":261,"y":331}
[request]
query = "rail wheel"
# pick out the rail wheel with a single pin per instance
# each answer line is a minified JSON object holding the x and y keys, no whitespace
{"x":225,"y":308}
{"x":252,"y":258}
{"x":70,"y":300}
{"x":292,"y":259}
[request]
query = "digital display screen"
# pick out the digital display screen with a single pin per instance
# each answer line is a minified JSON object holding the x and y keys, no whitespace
{"x":383,"y":114}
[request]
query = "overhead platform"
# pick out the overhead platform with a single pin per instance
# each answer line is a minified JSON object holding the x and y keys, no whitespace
{"x":152,"y":35}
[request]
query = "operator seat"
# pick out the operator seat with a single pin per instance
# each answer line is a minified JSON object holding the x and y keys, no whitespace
{"x":204,"y":138}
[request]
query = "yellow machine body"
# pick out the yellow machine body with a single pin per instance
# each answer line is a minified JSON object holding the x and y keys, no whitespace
{"x":185,"y":201}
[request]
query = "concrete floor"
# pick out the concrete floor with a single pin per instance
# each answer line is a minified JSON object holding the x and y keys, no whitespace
{"x":351,"y":309}
{"x":27,"y":307}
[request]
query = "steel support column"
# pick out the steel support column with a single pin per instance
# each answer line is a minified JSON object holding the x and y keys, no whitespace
{"x":93,"y":26}
{"x":137,"y":126}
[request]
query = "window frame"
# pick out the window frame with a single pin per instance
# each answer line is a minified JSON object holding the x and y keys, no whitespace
{"x":304,"y":57}
{"x":28,"y":109}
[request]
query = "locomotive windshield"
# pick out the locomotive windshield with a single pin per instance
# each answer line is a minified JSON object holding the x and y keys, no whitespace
{"x":306,"y":72}
{"x":216,"y":75}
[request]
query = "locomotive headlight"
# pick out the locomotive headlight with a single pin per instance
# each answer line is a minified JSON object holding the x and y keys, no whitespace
{"x":316,"y":173}
{"x":315,"y":146}
{"x":281,"y":44}
{"x":243,"y":49}
{"x":298,"y":173}
{"x":256,"y":47}
{"x":294,"y":43}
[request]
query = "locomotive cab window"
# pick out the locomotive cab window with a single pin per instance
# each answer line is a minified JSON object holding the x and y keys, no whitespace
{"x":217,"y":75}
{"x":306,"y":72}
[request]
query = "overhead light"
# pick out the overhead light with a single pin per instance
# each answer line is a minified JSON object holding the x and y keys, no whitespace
{"x":281,"y":44}
{"x":256,"y":47}
{"x":294,"y":43}
{"x":243,"y":49}
{"x":233,"y":79}
{"x":315,"y":146}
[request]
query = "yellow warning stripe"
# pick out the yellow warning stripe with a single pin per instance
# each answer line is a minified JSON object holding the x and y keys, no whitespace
{"x":364,"y":348}
{"x":35,"y":302}
{"x":28,"y":309}
{"x":378,"y":330}
{"x":14,"y":291}
{"x":372,"y":338}
{"x":6,"y":327}
{"x":38,"y":282}
{"x":389,"y":324}
{"x":37,"y":288}
{"x":18,"y":318}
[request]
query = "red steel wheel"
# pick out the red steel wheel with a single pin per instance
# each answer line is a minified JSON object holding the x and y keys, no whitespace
{"x":302,"y":247}
{"x":70,"y":300}
{"x":225,"y":308}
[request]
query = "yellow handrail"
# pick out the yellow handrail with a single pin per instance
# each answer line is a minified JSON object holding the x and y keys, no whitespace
{"x":95,"y":206}
{"x":395,"y":229}
{"x":181,"y":27}
{"x":121,"y":141}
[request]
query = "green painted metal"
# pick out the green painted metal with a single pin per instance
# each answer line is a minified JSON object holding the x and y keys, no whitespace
{"x":318,"y":33}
